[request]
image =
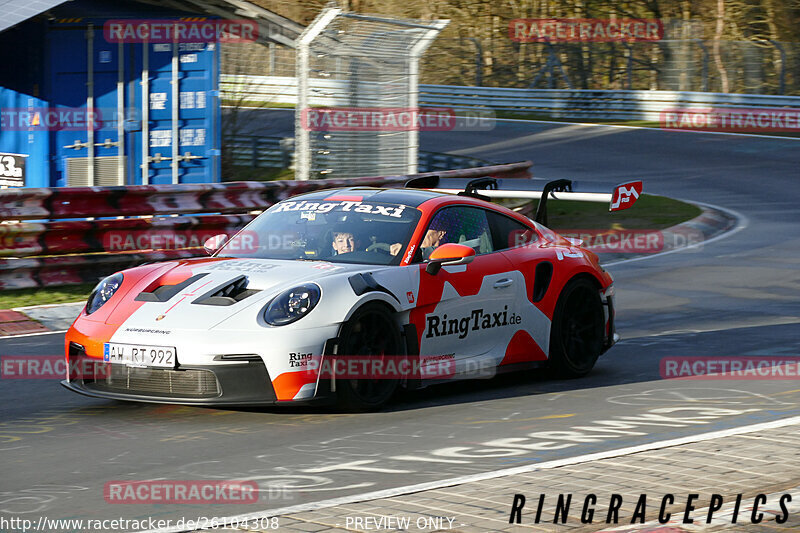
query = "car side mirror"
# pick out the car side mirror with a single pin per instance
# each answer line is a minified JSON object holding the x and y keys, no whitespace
{"x":449,"y":255}
{"x":214,"y":243}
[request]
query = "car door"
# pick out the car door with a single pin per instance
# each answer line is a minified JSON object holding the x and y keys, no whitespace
{"x":518,"y":244}
{"x":465,"y":312}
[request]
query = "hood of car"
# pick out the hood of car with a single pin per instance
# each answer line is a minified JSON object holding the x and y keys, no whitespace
{"x":200,"y":293}
{"x":266,"y":274}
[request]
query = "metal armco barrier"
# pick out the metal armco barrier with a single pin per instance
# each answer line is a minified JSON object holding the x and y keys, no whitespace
{"x":260,"y":151}
{"x":74,"y":269}
{"x":435,"y":161}
{"x":264,"y":151}
{"x":634,"y":105}
{"x":92,"y":236}
{"x":64,"y":244}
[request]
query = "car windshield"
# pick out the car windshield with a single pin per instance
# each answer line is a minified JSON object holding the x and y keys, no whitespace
{"x":340,"y":231}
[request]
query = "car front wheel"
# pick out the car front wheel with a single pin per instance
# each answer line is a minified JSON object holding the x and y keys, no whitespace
{"x":370,"y":333}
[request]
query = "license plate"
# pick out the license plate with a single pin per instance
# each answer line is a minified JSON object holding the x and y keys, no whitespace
{"x":137,"y":355}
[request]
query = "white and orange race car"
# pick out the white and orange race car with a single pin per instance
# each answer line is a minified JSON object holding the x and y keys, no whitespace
{"x":347,"y":294}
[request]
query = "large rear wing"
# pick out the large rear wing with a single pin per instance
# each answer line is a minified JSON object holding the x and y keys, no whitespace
{"x":621,"y":197}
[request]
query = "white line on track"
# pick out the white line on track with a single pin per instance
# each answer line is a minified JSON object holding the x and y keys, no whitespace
{"x":410,"y":489}
{"x":33,"y":334}
{"x":741,"y":223}
{"x":648,"y":128}
{"x":756,"y":322}
{"x":44,"y":306}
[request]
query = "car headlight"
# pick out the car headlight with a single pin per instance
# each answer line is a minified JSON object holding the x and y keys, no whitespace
{"x":292,"y":305}
{"x":103,"y":292}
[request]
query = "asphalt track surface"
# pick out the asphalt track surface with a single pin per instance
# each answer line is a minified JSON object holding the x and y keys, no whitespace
{"x":736,"y":296}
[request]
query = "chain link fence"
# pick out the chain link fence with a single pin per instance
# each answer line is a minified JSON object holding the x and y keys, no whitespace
{"x":255,"y":59}
{"x":369,"y":66}
{"x":238,"y":61}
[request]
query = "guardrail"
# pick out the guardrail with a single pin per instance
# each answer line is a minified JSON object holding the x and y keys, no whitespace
{"x":58,"y":236}
{"x":633,"y":105}
{"x":260,"y":151}
{"x":436,"y":161}
{"x":263,"y":151}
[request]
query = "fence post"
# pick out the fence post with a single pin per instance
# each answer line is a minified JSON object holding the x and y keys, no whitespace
{"x":549,"y":68}
{"x":428,"y":162}
{"x":629,"y":66}
{"x":478,"y":61}
{"x":704,"y":72}
{"x":271,"y":59}
{"x":254,"y":151}
{"x":782,"y":75}
{"x":303,"y":44}
{"x":286,"y":153}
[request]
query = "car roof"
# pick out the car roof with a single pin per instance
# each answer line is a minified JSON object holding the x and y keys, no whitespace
{"x":409,"y":197}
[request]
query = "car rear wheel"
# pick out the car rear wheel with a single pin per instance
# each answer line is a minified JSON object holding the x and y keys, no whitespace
{"x":372,"y":333}
{"x":576,"y":336}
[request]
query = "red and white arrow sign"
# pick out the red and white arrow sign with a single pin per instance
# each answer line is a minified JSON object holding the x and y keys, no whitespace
{"x":625,"y":195}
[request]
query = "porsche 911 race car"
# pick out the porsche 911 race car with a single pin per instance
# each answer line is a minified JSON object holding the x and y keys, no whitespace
{"x":347,"y":294}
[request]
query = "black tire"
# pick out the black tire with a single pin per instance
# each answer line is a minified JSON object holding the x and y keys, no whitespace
{"x":371,"y":331}
{"x":576,"y":335}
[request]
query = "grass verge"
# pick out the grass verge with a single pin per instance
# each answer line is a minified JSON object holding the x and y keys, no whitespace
{"x":526,"y":115}
{"x":45,"y":295}
{"x":649,"y":212}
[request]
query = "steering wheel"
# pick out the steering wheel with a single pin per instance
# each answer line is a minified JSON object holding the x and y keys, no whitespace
{"x":380,"y":247}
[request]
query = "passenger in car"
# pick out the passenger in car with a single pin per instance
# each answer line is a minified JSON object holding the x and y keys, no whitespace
{"x":344,"y":242}
{"x":433,"y":238}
